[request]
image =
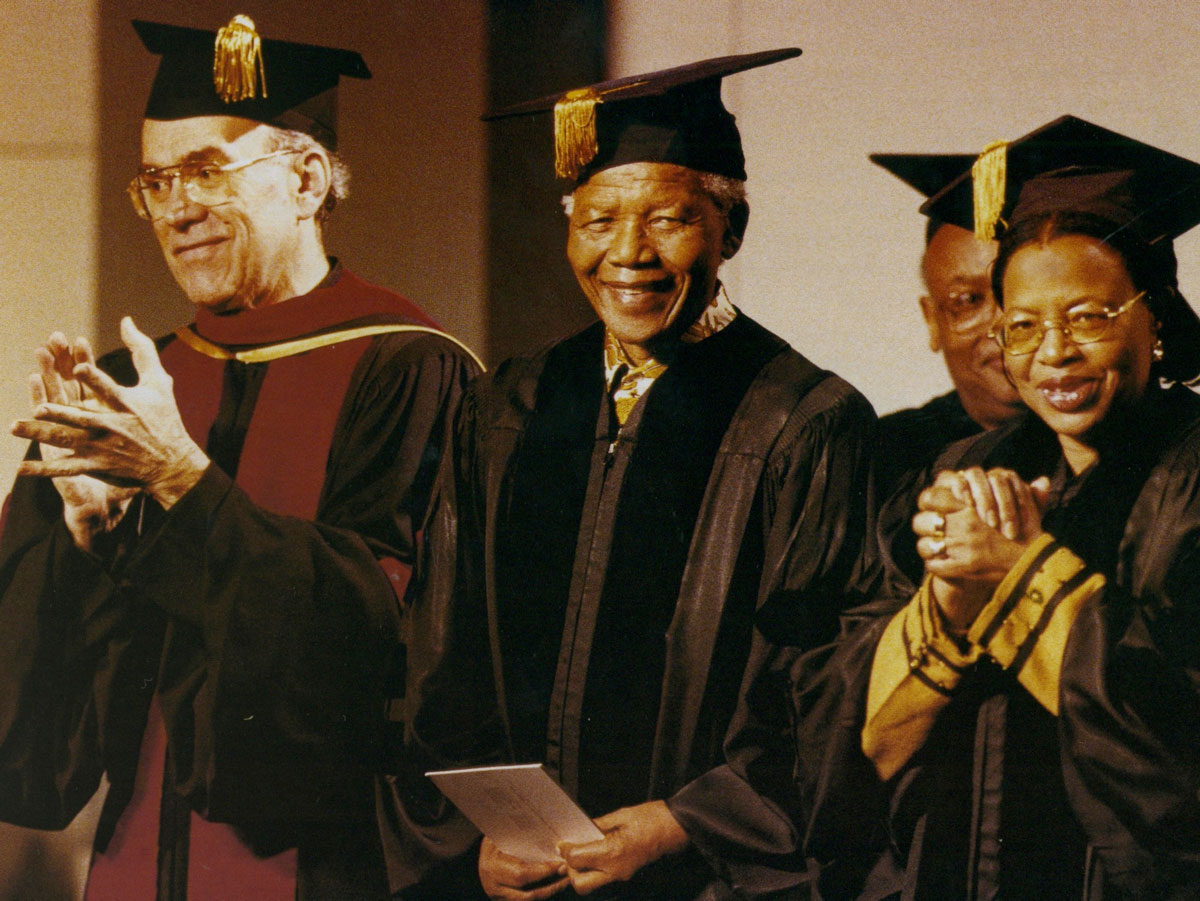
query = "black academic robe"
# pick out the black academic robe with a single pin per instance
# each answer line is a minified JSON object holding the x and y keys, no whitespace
{"x":909,"y":443}
{"x":911,"y":439}
{"x":261,"y":612}
{"x":594,"y":600}
{"x":1006,"y":800}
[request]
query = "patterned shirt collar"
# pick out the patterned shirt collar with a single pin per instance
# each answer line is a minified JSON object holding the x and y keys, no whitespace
{"x":628,"y":381}
{"x":716,"y":316}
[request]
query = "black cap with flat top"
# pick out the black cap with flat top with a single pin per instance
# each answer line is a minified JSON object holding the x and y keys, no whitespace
{"x":234,"y":72}
{"x":669,"y":116}
{"x":927,"y":173}
{"x":1070,"y":165}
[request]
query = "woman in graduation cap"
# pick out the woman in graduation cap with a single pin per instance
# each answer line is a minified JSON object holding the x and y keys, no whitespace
{"x":1028,"y":723}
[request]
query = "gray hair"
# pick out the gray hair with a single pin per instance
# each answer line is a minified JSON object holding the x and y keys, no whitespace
{"x":724,"y":191}
{"x":339,"y":181}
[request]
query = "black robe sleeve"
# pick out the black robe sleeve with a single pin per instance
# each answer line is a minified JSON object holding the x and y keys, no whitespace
{"x":453,"y":715}
{"x":1128,"y":722}
{"x":66,"y":638}
{"x":1130,"y":697}
{"x":813,"y":526}
{"x":843,"y":807}
{"x":77,"y":658}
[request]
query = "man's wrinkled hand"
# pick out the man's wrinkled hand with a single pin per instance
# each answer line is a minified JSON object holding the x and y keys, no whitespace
{"x":509,"y":878}
{"x":90,"y":507}
{"x":634,"y":837}
{"x":131,"y":437}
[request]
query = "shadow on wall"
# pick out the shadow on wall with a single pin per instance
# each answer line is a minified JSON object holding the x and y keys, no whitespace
{"x":536,"y":47}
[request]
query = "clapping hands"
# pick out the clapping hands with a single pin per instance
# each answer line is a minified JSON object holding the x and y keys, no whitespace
{"x":90,"y":506}
{"x":102,"y":442}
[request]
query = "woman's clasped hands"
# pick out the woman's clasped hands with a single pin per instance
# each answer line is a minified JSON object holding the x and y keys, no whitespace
{"x":972,"y":526}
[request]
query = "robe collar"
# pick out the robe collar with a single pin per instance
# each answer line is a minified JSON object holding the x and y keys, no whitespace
{"x":628,"y":381}
{"x":339,"y":299}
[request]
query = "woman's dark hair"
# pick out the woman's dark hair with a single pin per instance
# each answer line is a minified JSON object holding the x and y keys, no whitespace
{"x":1152,"y":268}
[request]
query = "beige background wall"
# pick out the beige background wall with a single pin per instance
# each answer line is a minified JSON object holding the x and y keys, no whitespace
{"x":48,"y":218}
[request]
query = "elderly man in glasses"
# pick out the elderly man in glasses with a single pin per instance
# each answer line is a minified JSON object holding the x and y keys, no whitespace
{"x":959,"y":310}
{"x":204,"y":564}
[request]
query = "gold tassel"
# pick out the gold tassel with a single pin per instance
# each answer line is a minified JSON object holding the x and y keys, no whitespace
{"x":575,"y":132}
{"x":237,"y":61}
{"x":989,"y":175}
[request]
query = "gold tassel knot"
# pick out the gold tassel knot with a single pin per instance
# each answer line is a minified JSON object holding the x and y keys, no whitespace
{"x":237,"y":61}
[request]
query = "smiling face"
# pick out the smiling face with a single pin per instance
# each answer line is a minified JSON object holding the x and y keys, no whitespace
{"x":958,"y":311}
{"x":645,"y":242}
{"x":1074,"y":387}
{"x":241,"y":253}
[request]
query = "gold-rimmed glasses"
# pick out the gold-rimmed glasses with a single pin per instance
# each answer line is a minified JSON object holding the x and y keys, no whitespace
{"x":205,"y":183}
{"x":1021,"y":334}
{"x":967,"y":311}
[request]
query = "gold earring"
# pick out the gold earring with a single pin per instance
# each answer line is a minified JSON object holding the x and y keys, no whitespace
{"x":1157,"y":351}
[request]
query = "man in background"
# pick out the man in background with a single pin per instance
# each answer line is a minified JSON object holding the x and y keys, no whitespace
{"x":958,"y":308}
{"x":205,"y":561}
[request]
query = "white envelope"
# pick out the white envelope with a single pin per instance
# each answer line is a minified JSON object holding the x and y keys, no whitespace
{"x":519,"y":807}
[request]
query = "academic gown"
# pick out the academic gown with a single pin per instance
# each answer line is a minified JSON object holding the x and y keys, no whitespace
{"x":594,"y":598}
{"x":911,"y":439}
{"x":254,"y":625}
{"x":1006,"y":799}
{"x":909,"y":443}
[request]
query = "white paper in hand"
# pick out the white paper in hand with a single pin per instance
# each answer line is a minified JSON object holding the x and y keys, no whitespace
{"x":520,"y":808}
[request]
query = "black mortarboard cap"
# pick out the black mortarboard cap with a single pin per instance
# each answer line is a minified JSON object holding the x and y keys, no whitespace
{"x":233,"y":72}
{"x":1070,"y":165}
{"x":927,"y":173}
{"x":670,"y":116}
{"x":924,"y":172}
